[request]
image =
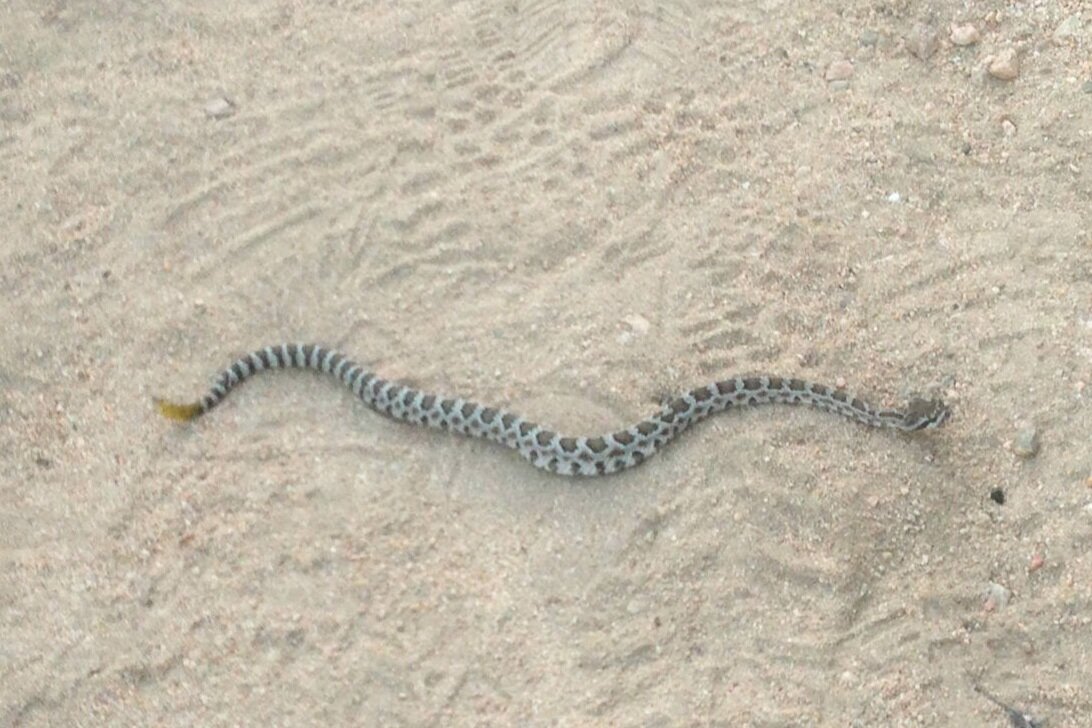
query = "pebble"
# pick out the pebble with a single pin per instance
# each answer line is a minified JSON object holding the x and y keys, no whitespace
{"x":810,"y":358}
{"x":998,"y":496}
{"x":637,"y":326}
{"x":1004,"y":66}
{"x":995,"y":597}
{"x":1026,"y":444}
{"x":638,"y":323}
{"x":219,"y":108}
{"x":1008,"y":127}
{"x":922,"y":41}
{"x":964,"y":35}
{"x":840,"y":70}
{"x":868,"y":38}
{"x":1087,"y":86}
{"x":1036,"y":562}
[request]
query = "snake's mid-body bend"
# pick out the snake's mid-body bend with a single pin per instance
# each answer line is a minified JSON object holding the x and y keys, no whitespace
{"x":542,"y":447}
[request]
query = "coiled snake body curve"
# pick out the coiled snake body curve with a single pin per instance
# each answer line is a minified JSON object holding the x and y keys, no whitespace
{"x":543,"y":448}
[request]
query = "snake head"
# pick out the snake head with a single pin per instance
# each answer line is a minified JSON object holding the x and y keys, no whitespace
{"x":925,"y":414}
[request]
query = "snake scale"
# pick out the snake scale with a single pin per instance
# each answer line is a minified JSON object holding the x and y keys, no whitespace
{"x":542,"y":447}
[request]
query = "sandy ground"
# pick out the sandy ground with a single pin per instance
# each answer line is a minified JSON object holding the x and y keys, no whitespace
{"x":571,"y":209}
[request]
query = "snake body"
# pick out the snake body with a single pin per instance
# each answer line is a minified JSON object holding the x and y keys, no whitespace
{"x":542,"y":447}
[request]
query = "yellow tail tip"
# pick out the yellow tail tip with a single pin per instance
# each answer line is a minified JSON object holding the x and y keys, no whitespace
{"x":178,"y":412}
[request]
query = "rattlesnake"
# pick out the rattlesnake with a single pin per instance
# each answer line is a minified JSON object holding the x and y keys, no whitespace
{"x":542,"y":447}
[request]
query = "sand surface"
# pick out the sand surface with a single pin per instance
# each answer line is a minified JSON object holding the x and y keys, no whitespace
{"x":571,"y":209}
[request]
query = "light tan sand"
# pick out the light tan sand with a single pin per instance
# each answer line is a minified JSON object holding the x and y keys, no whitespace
{"x":571,"y":209}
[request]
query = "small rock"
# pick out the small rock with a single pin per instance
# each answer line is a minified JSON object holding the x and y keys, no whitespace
{"x":998,"y":496}
{"x":868,"y":38}
{"x":841,"y":70}
{"x":1087,"y":86}
{"x":922,"y":41}
{"x":995,"y":597}
{"x":638,"y":323}
{"x":219,"y":108}
{"x":894,"y":198}
{"x":964,"y":35}
{"x":811,"y":358}
{"x":1008,"y":127}
{"x":839,"y":85}
{"x":1005,"y":65}
{"x":1068,"y":28}
{"x":1036,"y":562}
{"x":1026,"y":444}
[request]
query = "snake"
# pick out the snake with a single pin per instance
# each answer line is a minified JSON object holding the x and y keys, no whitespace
{"x":539,"y":445}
